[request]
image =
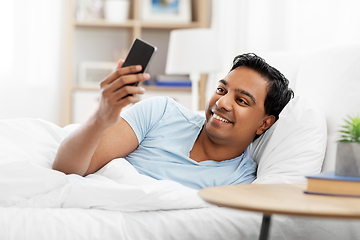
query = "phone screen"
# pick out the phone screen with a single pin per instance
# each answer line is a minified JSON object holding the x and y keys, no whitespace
{"x":140,"y":54}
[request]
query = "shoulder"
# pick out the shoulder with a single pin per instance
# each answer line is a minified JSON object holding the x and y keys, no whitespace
{"x":169,"y":106}
{"x":151,"y":107}
{"x":190,"y":116}
{"x":162,"y":109}
{"x":153,"y":102}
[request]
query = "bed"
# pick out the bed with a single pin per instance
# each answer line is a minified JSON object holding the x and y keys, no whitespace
{"x":116,"y":202}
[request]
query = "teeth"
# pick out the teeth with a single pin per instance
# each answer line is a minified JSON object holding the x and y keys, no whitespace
{"x":220,"y":118}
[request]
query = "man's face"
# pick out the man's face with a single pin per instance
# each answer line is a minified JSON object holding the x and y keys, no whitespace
{"x":236,"y":110}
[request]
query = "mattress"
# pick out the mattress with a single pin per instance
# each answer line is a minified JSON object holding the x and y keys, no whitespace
{"x":207,"y":223}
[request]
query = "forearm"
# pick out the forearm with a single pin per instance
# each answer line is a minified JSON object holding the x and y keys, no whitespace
{"x":75,"y":152}
{"x":84,"y":152}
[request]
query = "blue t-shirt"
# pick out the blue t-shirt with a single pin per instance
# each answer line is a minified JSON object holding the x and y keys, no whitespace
{"x":166,"y":132}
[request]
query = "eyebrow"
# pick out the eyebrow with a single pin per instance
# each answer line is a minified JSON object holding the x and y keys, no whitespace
{"x":241,"y":91}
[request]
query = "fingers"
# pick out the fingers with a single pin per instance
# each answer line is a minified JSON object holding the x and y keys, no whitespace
{"x":121,"y":72}
{"x":121,"y":94}
{"x":125,"y":85}
{"x":129,"y":80}
{"x":118,"y":88}
{"x":118,"y":91}
{"x":115,"y":103}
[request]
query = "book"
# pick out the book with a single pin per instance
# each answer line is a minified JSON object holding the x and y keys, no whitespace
{"x":328,"y":183}
{"x":174,"y":84}
{"x":172,"y":80}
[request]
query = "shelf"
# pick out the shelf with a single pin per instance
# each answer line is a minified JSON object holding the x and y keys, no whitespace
{"x":147,"y":88}
{"x":103,"y":23}
{"x":170,"y":25}
{"x":132,"y":23}
{"x":84,"y":35}
{"x":167,"y":89}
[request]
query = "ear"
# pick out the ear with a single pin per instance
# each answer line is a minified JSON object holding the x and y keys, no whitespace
{"x":268,"y":121}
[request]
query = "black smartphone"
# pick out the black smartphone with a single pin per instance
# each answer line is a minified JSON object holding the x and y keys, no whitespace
{"x":140,"y":54}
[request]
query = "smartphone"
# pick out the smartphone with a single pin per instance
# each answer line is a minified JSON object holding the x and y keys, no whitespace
{"x":140,"y":54}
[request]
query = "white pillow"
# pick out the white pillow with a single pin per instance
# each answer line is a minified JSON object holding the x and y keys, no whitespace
{"x":292,"y":148}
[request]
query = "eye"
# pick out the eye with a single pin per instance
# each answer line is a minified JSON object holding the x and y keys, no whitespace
{"x":242,"y":101}
{"x":220,"y":90}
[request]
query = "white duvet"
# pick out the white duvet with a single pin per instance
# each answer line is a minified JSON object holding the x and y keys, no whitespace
{"x":39,"y":203}
{"x":27,"y":149}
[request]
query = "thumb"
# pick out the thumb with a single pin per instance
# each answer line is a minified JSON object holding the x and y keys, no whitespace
{"x":120,"y":63}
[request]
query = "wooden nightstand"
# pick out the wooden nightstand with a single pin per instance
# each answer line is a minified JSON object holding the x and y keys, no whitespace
{"x":288,"y":199}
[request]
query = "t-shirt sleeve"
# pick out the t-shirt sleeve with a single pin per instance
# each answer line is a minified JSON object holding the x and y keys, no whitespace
{"x":145,"y":115}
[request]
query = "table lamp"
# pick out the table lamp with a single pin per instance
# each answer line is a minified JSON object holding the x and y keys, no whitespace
{"x":193,"y":52}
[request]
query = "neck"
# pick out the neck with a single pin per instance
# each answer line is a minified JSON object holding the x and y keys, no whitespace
{"x":206,"y":148}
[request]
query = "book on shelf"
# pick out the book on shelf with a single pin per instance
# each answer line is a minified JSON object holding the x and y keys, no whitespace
{"x":172,"y":80}
{"x":328,"y":183}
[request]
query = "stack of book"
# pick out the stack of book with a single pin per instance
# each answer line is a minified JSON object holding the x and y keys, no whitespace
{"x":172,"y":81}
{"x":328,"y":183}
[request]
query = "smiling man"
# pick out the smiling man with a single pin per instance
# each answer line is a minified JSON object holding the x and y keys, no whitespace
{"x":164,"y":140}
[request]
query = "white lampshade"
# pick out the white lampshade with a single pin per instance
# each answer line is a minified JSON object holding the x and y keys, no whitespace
{"x":193,"y":52}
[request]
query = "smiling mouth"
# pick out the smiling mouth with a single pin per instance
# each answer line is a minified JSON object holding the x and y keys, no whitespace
{"x":220,"y":118}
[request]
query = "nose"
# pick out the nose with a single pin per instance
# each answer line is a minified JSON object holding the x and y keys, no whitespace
{"x":224,"y":102}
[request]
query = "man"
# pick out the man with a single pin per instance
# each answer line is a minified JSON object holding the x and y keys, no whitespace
{"x":164,"y":140}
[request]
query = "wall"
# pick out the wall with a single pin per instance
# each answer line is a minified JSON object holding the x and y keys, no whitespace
{"x":30,"y":79}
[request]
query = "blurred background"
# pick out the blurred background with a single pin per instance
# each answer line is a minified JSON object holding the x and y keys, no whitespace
{"x":54,"y":53}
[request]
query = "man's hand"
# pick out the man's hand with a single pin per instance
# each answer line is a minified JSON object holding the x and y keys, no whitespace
{"x":118,"y":91}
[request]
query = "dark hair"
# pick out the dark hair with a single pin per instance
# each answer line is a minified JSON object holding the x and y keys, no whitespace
{"x":278,"y":92}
